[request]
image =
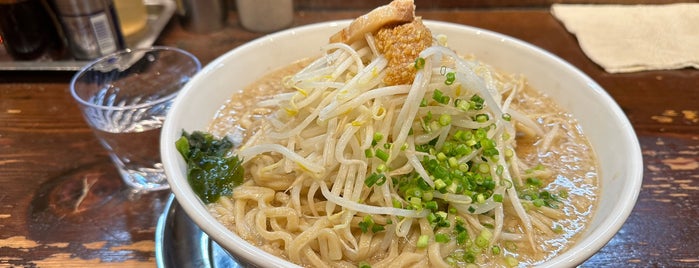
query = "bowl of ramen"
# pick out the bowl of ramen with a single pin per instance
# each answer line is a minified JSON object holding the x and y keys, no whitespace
{"x":389,"y":141}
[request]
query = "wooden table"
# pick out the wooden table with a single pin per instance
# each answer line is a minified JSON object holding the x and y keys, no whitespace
{"x":62,"y":203}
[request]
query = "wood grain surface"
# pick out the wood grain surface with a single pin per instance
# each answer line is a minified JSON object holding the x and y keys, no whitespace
{"x":62,"y":203}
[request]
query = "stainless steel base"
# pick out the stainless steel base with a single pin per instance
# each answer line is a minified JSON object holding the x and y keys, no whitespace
{"x":180,"y":243}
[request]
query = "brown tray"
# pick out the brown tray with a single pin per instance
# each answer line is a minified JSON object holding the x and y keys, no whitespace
{"x":159,"y":13}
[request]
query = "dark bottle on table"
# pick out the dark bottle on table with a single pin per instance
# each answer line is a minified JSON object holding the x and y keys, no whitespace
{"x":29,"y":30}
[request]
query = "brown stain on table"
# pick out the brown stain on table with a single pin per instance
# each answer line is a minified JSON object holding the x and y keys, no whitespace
{"x":681,"y":163}
{"x":668,"y":116}
{"x":62,"y":260}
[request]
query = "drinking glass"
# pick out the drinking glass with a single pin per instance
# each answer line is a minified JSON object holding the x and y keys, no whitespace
{"x":125,"y":97}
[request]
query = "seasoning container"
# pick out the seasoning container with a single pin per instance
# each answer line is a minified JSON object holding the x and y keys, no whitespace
{"x":133,"y":17}
{"x":202,"y":16}
{"x":29,"y":30}
{"x":265,"y":15}
{"x":91,"y":27}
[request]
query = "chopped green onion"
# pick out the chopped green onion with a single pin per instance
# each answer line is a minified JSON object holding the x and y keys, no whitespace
{"x":375,"y":178}
{"x":461,"y":237}
{"x":506,"y":117}
{"x":381,"y":155}
{"x":414,"y":192}
{"x":480,"y":198}
{"x":463,"y":167}
{"x":489,"y":183}
{"x":427,"y":196}
{"x":439,"y":96}
{"x":510,"y":246}
{"x":444,"y":119}
{"x":482,"y":118}
{"x":558,"y":229}
{"x":396,"y":203}
{"x":462,"y":105}
{"x":484,"y":167}
{"x":452,"y":188}
{"x":481,"y":134}
{"x":382,"y":180}
{"x":545,"y":195}
{"x":439,"y":184}
{"x":534,"y":181}
{"x":432,"y":218}
{"x":377,"y":228}
{"x":419,"y":63}
{"x":462,"y":149}
{"x":470,"y":258}
{"x":538,"y":202}
{"x":506,"y":136}
{"x":497,"y":198}
{"x":368,"y":153}
{"x":441,"y":238}
{"x":450,"y":78}
{"x":364,"y":264}
{"x":563,"y":193}
{"x":491,"y":152}
{"x":432,"y":205}
{"x":477,"y":102}
{"x":483,"y":238}
{"x":423,"y":241}
{"x":459,"y":227}
{"x":495,"y":250}
{"x":453,"y":162}
{"x":378,"y":136}
{"x":506,"y":183}
{"x":428,"y":117}
{"x":511,"y":261}
{"x":499,"y":170}
{"x":509,"y":153}
{"x":415,"y":202}
{"x":422,"y":184}
{"x":366,"y":223}
{"x":425,"y":125}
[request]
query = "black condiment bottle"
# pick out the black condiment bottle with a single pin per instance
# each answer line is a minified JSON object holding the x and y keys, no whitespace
{"x":30,"y":30}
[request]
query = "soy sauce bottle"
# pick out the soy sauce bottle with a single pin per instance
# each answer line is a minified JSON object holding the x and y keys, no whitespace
{"x":30,"y":30}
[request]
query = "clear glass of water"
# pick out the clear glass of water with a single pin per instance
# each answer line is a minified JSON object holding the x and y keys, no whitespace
{"x":125,"y":97}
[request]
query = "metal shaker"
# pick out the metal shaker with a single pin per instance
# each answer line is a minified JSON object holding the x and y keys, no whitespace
{"x":265,"y":15}
{"x":202,"y":16}
{"x":91,"y":27}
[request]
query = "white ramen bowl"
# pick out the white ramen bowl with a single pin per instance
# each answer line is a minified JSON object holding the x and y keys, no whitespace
{"x":604,"y":123}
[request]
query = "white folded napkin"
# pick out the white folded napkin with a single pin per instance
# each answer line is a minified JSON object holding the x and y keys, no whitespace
{"x":630,"y":38}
